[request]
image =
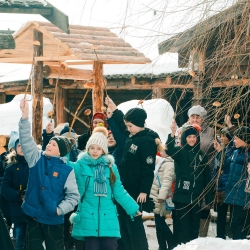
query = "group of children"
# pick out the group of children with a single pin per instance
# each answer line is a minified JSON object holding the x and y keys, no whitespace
{"x":104,"y":189}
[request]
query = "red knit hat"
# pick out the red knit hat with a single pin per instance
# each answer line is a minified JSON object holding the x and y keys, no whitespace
{"x":100,"y":115}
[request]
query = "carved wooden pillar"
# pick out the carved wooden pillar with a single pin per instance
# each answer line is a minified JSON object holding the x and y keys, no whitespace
{"x":61,"y":102}
{"x":157,"y":93}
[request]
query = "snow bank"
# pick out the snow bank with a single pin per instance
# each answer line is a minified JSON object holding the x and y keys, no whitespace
{"x":10,"y":113}
{"x":210,"y":243}
{"x":160,"y":115}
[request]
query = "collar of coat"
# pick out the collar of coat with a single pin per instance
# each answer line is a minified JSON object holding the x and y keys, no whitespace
{"x":89,"y":160}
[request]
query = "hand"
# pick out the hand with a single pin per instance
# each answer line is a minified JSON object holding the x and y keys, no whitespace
{"x":49,"y":128}
{"x":173,"y":127}
{"x":109,"y":102}
{"x":227,"y":120}
{"x":160,"y":200}
{"x":58,"y":211}
{"x":109,"y":112}
{"x":24,"y":106}
{"x":217,"y":146}
{"x":142,"y":197}
{"x":138,"y":213}
{"x":163,"y":210}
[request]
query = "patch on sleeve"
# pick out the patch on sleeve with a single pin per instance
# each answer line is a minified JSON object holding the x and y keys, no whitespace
{"x":149,"y":160}
{"x":133,"y":148}
{"x":186,"y":185}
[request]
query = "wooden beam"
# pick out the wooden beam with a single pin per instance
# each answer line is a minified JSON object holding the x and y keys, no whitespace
{"x":97,"y":93}
{"x":61,"y":102}
{"x":2,"y":97}
{"x":37,"y":90}
{"x":69,"y":73}
{"x":78,"y":118}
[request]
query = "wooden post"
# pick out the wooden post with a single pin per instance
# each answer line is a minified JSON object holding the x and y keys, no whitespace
{"x":157,"y":93}
{"x":2,"y":97}
{"x":61,"y":102}
{"x":37,"y":89}
{"x":97,"y":94}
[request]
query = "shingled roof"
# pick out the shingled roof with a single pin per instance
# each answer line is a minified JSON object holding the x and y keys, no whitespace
{"x":83,"y":43}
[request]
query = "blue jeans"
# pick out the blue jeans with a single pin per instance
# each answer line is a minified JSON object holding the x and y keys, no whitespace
{"x":20,"y":235}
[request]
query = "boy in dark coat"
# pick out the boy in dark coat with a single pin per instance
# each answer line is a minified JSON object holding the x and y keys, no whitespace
{"x":192,"y":178}
{"x":13,"y":188}
{"x":235,"y":188}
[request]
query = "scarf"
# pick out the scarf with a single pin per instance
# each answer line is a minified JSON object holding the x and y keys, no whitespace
{"x":100,"y":186}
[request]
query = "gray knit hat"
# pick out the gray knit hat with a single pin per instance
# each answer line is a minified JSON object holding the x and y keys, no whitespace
{"x":99,"y":137}
{"x":14,"y":135}
{"x":197,"y":110}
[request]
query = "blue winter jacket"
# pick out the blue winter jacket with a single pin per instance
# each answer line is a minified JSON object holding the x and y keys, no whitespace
{"x":51,"y":185}
{"x":97,"y":214}
{"x":14,"y":184}
{"x":238,"y":175}
{"x":225,"y":168}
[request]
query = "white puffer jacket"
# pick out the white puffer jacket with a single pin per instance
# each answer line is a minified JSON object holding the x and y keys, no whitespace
{"x":167,"y":176}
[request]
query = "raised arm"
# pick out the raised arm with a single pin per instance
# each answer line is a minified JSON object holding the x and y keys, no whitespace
{"x":47,"y":134}
{"x":29,"y":147}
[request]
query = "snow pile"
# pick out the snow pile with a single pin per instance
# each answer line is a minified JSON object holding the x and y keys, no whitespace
{"x":210,"y":243}
{"x":10,"y":113}
{"x":159,"y":112}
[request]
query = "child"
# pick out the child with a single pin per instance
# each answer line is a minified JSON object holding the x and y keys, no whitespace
{"x":161,"y":189}
{"x":220,"y":174}
{"x":192,"y":177}
{"x":52,"y":190}
{"x":235,"y":188}
{"x":136,"y":170}
{"x":96,"y":220}
{"x":14,"y":184}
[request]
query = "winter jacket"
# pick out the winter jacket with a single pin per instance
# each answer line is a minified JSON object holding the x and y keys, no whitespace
{"x":14,"y":185}
{"x":51,"y":185}
{"x":82,"y":140}
{"x":225,"y":157}
{"x":238,"y":175}
{"x":46,"y":138}
{"x":138,"y":162}
{"x":120,"y":139}
{"x":6,"y":243}
{"x":97,"y":215}
{"x":191,"y":169}
{"x":167,"y":176}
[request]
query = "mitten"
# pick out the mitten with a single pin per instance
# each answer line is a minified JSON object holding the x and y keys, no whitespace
{"x":163,"y":210}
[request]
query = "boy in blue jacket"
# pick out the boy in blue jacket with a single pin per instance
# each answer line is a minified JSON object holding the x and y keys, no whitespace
{"x":52,"y":190}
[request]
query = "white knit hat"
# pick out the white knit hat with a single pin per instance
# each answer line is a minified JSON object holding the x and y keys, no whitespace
{"x":99,"y":137}
{"x":197,"y":110}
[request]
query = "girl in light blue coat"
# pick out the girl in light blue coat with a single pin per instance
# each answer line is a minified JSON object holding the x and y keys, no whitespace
{"x":98,"y":180}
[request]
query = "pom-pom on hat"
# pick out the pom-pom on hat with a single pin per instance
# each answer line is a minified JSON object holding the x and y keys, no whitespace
{"x":243,"y":133}
{"x":136,"y":116}
{"x":64,"y":144}
{"x":197,"y":110}
{"x":99,"y":137}
{"x":65,"y":131}
{"x":14,"y":135}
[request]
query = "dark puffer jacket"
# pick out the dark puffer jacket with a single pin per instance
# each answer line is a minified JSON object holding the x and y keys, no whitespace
{"x":138,"y":162}
{"x":225,"y":156}
{"x":14,"y":184}
{"x":191,"y":169}
{"x":235,"y":187}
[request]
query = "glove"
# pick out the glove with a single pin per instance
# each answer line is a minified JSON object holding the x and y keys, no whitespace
{"x":163,"y":210}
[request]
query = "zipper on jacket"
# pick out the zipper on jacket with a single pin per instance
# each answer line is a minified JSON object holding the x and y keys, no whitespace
{"x":99,"y":217}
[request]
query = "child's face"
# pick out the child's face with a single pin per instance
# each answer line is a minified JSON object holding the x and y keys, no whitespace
{"x":224,"y":140}
{"x":132,"y":129}
{"x":111,"y":140}
{"x":19,"y":150}
{"x":96,"y":122}
{"x":191,"y":140}
{"x":95,"y":151}
{"x":239,"y":143}
{"x":52,"y":149}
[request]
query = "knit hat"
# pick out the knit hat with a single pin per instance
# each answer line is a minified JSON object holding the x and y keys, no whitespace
{"x":227,"y":133}
{"x":191,"y":131}
{"x":13,"y":137}
{"x":243,"y":133}
{"x":197,"y":110}
{"x":65,"y":131}
{"x":64,"y":144}
{"x":102,"y":116}
{"x":16,"y":143}
{"x":99,"y":137}
{"x":136,"y":116}
{"x":59,"y":128}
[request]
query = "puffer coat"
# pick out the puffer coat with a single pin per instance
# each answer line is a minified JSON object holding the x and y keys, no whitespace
{"x":97,"y":215}
{"x":167,"y":176}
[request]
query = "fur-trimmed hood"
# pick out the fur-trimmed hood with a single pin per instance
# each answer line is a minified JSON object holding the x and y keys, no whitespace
{"x":104,"y":158}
